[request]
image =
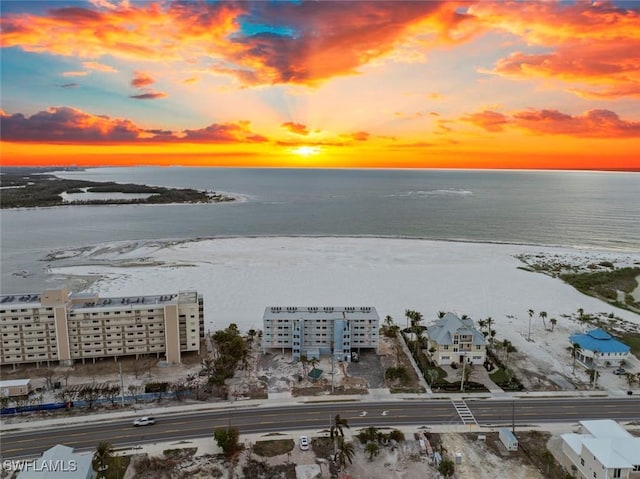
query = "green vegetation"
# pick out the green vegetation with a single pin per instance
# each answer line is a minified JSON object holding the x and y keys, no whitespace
{"x":605,"y":285}
{"x":272,"y":448}
{"x":34,"y":187}
{"x":630,"y":339}
{"x":228,"y":441}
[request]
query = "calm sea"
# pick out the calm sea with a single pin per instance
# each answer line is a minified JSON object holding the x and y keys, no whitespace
{"x":588,"y":209}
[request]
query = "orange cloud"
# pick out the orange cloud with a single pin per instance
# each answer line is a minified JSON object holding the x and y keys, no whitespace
{"x":489,"y":120}
{"x":224,"y":133}
{"x":74,"y":74}
{"x":595,"y":43}
{"x":360,"y":136}
{"x":591,"y":124}
{"x":141,"y":80}
{"x":297,"y":128}
{"x":328,"y":39}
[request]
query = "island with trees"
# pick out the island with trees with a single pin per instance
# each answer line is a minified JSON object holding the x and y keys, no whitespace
{"x":37,"y":187}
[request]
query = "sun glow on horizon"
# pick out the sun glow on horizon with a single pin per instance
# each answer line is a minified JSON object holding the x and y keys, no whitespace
{"x":307,"y":151}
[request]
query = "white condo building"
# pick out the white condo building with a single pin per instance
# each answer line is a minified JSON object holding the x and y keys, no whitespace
{"x":314,"y":331}
{"x":63,"y":327}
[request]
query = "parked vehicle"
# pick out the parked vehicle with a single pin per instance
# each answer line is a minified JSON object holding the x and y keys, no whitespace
{"x":144,"y":421}
{"x":304,"y":443}
{"x":620,"y":371}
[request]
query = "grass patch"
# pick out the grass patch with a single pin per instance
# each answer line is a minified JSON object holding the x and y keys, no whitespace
{"x":630,"y":339}
{"x":272,"y":448}
{"x":499,"y":376}
{"x":606,"y":284}
{"x":117,"y":466}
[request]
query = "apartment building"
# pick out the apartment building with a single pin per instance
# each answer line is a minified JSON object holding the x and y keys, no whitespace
{"x":602,"y":450}
{"x":314,"y":331}
{"x":455,"y":340}
{"x":63,"y":327}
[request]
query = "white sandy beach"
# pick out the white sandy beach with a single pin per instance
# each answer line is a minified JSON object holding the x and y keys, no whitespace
{"x":239,"y":277}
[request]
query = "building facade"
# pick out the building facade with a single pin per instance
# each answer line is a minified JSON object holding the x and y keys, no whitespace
{"x":63,"y":327}
{"x":455,"y":340}
{"x":314,"y":331}
{"x":603,"y":450}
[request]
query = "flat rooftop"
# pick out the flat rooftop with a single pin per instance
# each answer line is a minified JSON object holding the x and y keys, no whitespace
{"x":320,"y":312}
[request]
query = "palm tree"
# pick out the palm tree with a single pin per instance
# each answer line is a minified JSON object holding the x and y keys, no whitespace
{"x":580,"y":313}
{"x":372,"y":449}
{"x":510,"y":349}
{"x":441,"y":314}
{"x":304,"y":361}
{"x":543,"y":316}
{"x":104,"y":452}
{"x":337,"y":426}
{"x":489,"y":321}
{"x":482,"y":323}
{"x":631,"y":379}
{"x":531,"y":312}
{"x":553,"y":322}
{"x":575,"y":350}
{"x":388,"y":321}
{"x":345,"y":453}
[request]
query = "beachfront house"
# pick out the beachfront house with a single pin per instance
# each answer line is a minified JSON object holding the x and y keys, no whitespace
{"x":314,"y":331}
{"x":56,"y":326}
{"x":597,"y":348}
{"x":455,"y":340}
{"x":59,"y":462}
{"x":602,"y":450}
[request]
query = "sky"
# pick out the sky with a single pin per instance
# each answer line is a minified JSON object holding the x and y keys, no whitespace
{"x":340,"y":84}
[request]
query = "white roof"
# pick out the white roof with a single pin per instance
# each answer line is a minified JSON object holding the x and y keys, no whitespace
{"x":10,"y":383}
{"x":81,"y":470}
{"x":605,"y":428}
{"x":612,"y":446}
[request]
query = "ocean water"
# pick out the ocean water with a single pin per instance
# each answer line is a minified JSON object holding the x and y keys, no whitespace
{"x":586,"y":209}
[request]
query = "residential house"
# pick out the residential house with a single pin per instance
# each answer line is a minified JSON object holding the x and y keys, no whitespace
{"x":603,"y":450}
{"x":455,"y":340}
{"x":59,"y":462}
{"x":597,"y":347}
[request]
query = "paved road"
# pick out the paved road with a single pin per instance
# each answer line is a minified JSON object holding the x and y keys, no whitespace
{"x":316,"y":417}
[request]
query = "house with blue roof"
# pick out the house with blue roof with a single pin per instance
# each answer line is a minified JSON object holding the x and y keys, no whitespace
{"x":597,"y":347}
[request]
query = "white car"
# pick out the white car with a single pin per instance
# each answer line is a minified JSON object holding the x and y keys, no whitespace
{"x":304,"y":443}
{"x":144,"y":421}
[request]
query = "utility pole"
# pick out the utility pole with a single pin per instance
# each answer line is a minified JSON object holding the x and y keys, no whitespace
{"x":332,"y":365}
{"x":121,"y":385}
{"x":513,"y":416}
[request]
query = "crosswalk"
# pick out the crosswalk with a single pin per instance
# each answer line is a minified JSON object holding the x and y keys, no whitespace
{"x":464,"y":412}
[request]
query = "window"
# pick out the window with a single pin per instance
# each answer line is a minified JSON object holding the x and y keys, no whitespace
{"x":582,"y":461}
{"x":617,"y":473}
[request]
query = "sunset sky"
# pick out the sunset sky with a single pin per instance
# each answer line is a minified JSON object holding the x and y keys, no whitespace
{"x":392,"y":84}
